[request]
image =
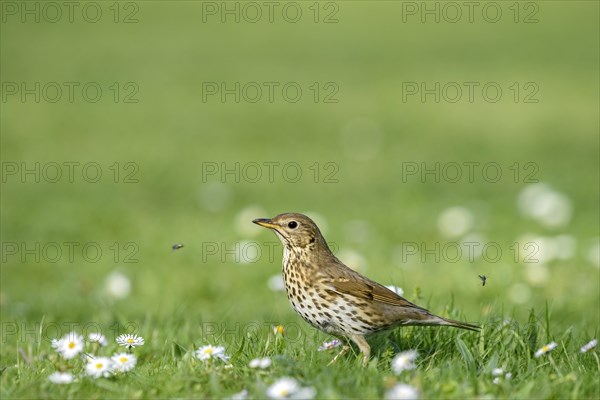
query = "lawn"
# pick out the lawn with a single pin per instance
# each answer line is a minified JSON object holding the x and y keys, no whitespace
{"x":429,"y":148}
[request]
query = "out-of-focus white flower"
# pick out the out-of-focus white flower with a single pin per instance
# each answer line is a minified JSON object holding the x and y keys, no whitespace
{"x":289,"y":388}
{"x":472,"y":246}
{"x":398,"y":290}
{"x":304,"y":393}
{"x":97,"y":338}
{"x":118,"y":285}
{"x":588,"y":346}
{"x":243,"y":395}
{"x":545,"y":349}
{"x":536,"y":249}
{"x":123,"y":362}
{"x":404,"y":361}
{"x":565,"y":246}
{"x":60,"y":378}
{"x":540,"y":202}
{"x":261,"y":363}
{"x":210,"y":352}
{"x":243,"y":220}
{"x":498,"y":373}
{"x":353,"y":259}
{"x":329,"y":345}
{"x":593,"y":253}
{"x":276,"y":283}
{"x":454,"y":222}
{"x":402,"y":392}
{"x":537,"y":274}
{"x":283,"y":388}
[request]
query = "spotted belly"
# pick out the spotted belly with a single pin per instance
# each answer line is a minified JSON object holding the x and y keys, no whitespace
{"x":334,"y":315}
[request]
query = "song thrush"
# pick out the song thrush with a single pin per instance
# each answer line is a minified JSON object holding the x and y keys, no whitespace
{"x":334,"y":298}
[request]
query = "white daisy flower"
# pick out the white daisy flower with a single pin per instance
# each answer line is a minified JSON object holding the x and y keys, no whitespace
{"x":588,"y":346}
{"x":508,"y":376}
{"x":402,"y":392}
{"x":60,"y":378}
{"x":283,"y":388}
{"x":98,"y":367}
{"x":404,"y":361}
{"x":545,"y":349}
{"x":497,"y":371}
{"x":130,"y":341}
{"x":496,"y":380}
{"x":97,"y":338}
{"x":210,"y":352}
{"x":261,"y":363}
{"x":329,"y":345}
{"x":123,"y":362}
{"x":69,"y":345}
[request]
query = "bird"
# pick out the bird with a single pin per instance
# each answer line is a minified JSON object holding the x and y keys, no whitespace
{"x":335,"y":298}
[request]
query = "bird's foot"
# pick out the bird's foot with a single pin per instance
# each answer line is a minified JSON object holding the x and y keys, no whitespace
{"x":365,"y":360}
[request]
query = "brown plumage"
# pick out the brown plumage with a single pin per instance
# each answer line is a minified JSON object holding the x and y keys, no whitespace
{"x":335,"y":298}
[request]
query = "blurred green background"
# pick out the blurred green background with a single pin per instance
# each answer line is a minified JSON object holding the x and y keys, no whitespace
{"x":371,"y":211}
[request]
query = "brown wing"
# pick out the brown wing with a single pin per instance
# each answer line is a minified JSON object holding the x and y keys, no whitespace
{"x":349,"y":282}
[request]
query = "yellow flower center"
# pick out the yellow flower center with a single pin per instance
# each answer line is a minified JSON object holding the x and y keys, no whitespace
{"x":71,"y":345}
{"x":123,"y":359}
{"x":208,"y":351}
{"x":545,"y":349}
{"x":99,"y":365}
{"x":129,"y":340}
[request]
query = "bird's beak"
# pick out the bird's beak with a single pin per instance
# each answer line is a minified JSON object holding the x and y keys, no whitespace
{"x":265,"y":222}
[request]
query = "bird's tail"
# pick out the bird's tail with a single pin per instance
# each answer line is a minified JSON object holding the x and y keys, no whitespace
{"x":459,"y":324}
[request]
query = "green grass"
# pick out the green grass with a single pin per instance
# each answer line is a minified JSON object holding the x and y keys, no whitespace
{"x":178,"y":297}
{"x":451,"y":363}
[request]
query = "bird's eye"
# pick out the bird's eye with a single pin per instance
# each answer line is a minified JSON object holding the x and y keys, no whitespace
{"x":292,"y":224}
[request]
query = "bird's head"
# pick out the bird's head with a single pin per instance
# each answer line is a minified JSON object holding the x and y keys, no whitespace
{"x":294,"y":230}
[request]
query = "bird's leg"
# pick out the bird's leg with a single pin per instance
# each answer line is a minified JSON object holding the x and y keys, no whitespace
{"x":364,"y":347}
{"x":341,"y":353}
